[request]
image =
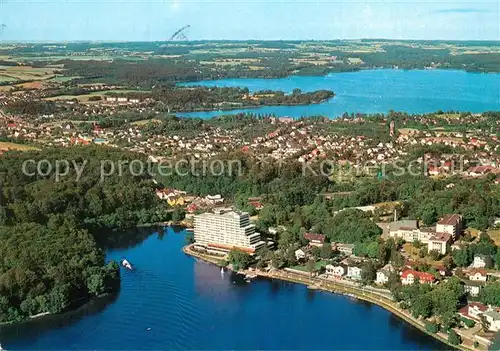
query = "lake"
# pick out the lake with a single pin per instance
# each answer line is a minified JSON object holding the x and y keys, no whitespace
{"x":377,"y":91}
{"x":189,"y":305}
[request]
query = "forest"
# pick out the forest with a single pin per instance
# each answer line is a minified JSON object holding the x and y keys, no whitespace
{"x":49,"y":258}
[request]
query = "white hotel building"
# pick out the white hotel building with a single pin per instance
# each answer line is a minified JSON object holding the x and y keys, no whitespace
{"x":222,"y":231}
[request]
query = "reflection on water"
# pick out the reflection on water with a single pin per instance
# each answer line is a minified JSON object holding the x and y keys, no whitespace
{"x":128,"y":239}
{"x":38,"y":326}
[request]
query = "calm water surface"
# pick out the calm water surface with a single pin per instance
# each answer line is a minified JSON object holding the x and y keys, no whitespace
{"x":189,"y":305}
{"x":372,"y":91}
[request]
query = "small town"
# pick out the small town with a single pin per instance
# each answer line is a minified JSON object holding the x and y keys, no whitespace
{"x":248,"y":175}
{"x":226,"y":237}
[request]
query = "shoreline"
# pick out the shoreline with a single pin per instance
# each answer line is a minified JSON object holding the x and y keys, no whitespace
{"x":68,"y":310}
{"x":337,"y":288}
{"x":249,"y":107}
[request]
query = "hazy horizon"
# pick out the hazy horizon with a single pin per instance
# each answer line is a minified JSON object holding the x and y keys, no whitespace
{"x":153,"y":20}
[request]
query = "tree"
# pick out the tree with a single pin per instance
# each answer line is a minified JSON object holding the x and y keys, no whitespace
{"x":178,"y":214}
{"x":95,"y":284}
{"x":368,"y":273}
{"x":431,"y":327}
{"x":484,"y":323}
{"x":422,"y":306}
{"x":448,"y":263}
{"x":397,"y":259}
{"x":239,"y":259}
{"x":490,"y":294}
{"x":454,"y":338}
{"x":461,"y":257}
{"x":435,"y":254}
{"x":316,"y":252}
{"x":311,"y":266}
{"x":326,"y":251}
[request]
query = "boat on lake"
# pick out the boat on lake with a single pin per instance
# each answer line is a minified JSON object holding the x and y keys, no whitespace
{"x":126,"y":264}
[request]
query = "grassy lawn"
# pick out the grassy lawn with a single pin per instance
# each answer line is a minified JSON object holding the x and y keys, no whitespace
{"x":145,"y":121}
{"x":318,"y":266}
{"x":7,"y":79}
{"x":495,"y":235}
{"x":85,"y":97}
{"x":413,"y":255}
{"x":62,"y":79}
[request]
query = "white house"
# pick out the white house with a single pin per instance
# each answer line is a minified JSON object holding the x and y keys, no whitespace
{"x":473,"y":310}
{"x":302,"y":253}
{"x":335,"y":271}
{"x":479,"y":262}
{"x":478,"y":274}
{"x":383,"y":274}
{"x":345,"y":249}
{"x":493,"y":318}
{"x":382,"y":277}
{"x":473,"y":287}
{"x":354,"y":272}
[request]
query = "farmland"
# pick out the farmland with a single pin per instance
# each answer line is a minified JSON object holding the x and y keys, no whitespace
{"x":5,"y":145}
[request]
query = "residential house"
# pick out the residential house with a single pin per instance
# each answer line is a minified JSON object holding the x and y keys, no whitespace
{"x":450,"y":224}
{"x":480,"y":171}
{"x":345,"y":249}
{"x":214,"y":199}
{"x":302,"y":253}
{"x":255,"y":202}
{"x":477,"y":274}
{"x":493,"y":318}
{"x":315,"y":239}
{"x":472,"y":287}
{"x":354,"y":272}
{"x":479,"y":261}
{"x":335,"y":271}
{"x":409,"y":276}
{"x":383,"y":274}
{"x":473,"y":310}
{"x":175,"y":201}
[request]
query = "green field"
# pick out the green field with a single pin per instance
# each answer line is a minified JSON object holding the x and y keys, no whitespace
{"x":7,"y":79}
{"x":84,"y":97}
{"x":318,"y":266}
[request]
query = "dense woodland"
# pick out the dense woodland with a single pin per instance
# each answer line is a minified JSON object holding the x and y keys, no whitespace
{"x":49,"y":259}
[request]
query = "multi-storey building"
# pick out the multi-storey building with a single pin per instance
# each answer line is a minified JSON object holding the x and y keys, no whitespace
{"x":409,"y":231}
{"x":223,"y":230}
{"x":450,"y":224}
{"x":439,"y":242}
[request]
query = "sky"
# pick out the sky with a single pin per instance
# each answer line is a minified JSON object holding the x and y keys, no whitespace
{"x":157,"y":20}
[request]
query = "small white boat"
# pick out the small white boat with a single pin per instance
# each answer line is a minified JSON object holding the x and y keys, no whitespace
{"x":126,"y":264}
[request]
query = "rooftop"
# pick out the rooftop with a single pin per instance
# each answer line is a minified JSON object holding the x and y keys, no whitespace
{"x":403,"y":224}
{"x":452,"y":219}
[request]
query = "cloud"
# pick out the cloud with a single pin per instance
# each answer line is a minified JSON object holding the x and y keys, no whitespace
{"x":460,"y":10}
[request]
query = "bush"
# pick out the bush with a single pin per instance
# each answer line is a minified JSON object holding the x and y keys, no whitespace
{"x":476,"y":344}
{"x":454,"y":338}
{"x":431,"y":327}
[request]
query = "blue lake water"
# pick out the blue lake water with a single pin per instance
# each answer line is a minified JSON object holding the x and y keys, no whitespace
{"x":190,"y":305}
{"x":377,"y":91}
